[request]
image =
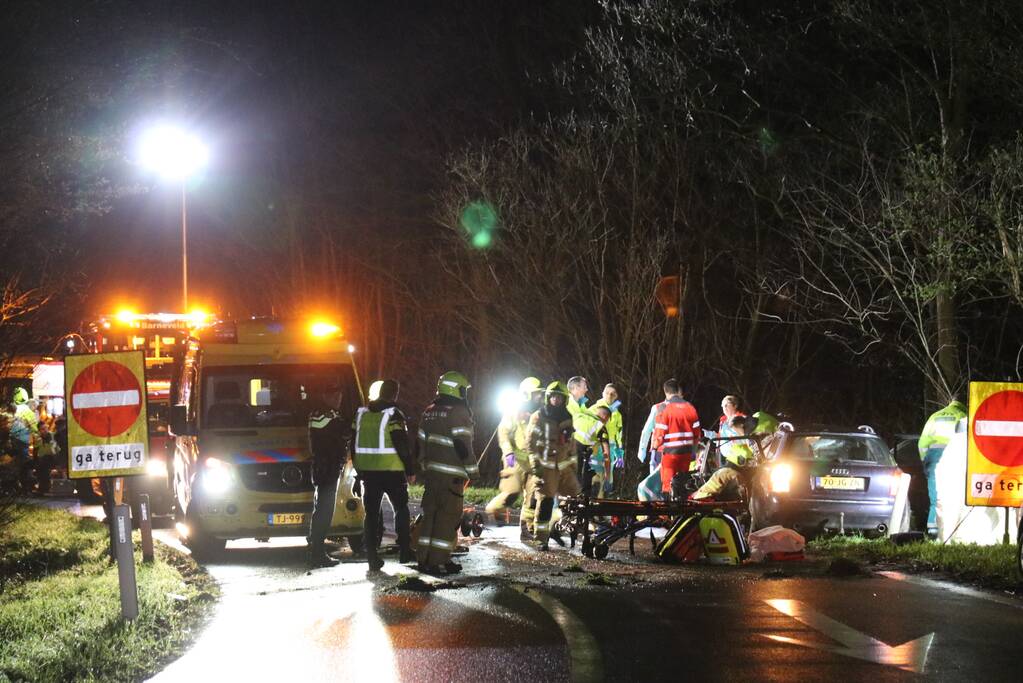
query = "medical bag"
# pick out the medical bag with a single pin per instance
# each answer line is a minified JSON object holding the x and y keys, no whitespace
{"x":723,"y":540}
{"x":683,"y":542}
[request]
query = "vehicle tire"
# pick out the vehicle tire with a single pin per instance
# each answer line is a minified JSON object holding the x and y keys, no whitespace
{"x":202,"y":545}
{"x":600,"y":551}
{"x":206,"y":547}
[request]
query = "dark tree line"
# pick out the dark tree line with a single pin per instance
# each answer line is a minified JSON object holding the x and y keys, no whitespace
{"x":836,"y":183}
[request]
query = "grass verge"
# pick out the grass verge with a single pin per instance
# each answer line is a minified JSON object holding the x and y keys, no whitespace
{"x":992,"y":566}
{"x":473,"y":495}
{"x":60,"y":605}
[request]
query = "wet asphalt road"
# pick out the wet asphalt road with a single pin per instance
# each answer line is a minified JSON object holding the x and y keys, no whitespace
{"x":514,"y":616}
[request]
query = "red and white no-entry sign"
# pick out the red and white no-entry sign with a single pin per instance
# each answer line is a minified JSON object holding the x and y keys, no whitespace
{"x":994,"y":446}
{"x":998,"y":428}
{"x":106,"y":398}
{"x":107,"y":425}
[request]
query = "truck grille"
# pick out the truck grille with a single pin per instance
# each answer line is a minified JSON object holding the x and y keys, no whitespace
{"x":277,"y":477}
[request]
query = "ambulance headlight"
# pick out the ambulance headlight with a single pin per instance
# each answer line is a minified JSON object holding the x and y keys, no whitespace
{"x":156,"y":468}
{"x":217,"y":476}
{"x":781,"y":478}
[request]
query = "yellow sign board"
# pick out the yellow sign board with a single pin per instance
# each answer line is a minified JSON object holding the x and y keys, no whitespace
{"x":994,"y":465}
{"x":107,"y":423}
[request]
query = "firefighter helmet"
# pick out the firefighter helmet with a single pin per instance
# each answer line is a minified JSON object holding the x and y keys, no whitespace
{"x":765,"y":423}
{"x":556,"y":387}
{"x":529,"y":386}
{"x":453,"y":383}
{"x":738,"y":454}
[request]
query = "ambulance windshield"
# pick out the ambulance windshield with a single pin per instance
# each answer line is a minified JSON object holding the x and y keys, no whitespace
{"x":246,"y":397}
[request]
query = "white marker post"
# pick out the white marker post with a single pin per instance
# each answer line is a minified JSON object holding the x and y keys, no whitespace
{"x":146,"y":527}
{"x":126,"y":563}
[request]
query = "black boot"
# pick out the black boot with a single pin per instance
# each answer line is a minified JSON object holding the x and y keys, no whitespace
{"x":452,"y":567}
{"x":318,"y":557}
{"x":375,"y":563}
{"x":405,"y":555}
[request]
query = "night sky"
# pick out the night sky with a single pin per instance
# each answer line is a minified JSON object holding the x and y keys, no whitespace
{"x":367,"y":98}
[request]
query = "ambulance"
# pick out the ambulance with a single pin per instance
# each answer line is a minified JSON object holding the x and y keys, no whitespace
{"x":240,"y":400}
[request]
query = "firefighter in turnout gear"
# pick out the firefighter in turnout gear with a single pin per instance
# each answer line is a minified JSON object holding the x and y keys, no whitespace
{"x":382,"y":456}
{"x":511,"y":435}
{"x":552,"y":457}
{"x":328,"y":437}
{"x":736,"y":468}
{"x":445,"y":441}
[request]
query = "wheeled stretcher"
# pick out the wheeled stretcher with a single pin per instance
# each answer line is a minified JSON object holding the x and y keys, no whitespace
{"x":617,"y":519}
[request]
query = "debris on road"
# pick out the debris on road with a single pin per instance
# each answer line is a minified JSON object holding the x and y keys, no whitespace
{"x":599,"y":579}
{"x":842,"y":566}
{"x":416,"y":583}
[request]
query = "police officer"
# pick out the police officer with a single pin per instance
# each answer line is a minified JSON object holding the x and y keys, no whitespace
{"x":383,"y":459}
{"x":445,"y":440}
{"x":552,"y":457}
{"x":328,"y":437}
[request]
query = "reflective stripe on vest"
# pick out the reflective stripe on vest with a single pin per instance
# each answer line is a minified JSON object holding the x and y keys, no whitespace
{"x":586,"y":437}
{"x":374,"y":450}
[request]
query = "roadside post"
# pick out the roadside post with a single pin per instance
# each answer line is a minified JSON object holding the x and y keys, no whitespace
{"x":994,"y":462}
{"x":145,"y":527}
{"x":108,"y":438}
{"x":125,"y":562}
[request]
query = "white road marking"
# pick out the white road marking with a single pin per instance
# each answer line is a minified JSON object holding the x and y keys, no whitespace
{"x":998,"y":428}
{"x":105,"y":399}
{"x":911,"y":656}
{"x":587,"y":663}
{"x":955,"y":588}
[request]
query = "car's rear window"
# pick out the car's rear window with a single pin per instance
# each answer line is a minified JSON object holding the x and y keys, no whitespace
{"x":838,"y":448}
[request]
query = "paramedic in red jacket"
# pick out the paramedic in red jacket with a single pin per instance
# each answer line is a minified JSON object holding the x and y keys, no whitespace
{"x":676,"y":433}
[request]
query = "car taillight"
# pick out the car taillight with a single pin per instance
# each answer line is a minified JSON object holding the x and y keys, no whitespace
{"x":896,"y":478}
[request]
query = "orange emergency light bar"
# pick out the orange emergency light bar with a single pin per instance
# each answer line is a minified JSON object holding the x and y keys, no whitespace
{"x":194,"y":320}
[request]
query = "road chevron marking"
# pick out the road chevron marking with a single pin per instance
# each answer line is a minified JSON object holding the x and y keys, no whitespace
{"x":587,"y":665}
{"x":910,"y":656}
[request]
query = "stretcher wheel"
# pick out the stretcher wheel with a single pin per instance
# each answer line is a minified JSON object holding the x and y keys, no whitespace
{"x":477,"y":525}
{"x":600,"y":551}
{"x":587,"y":548}
{"x":466,"y":526}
